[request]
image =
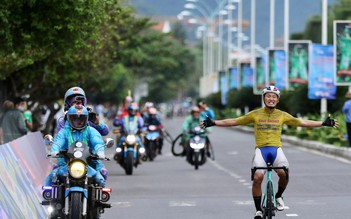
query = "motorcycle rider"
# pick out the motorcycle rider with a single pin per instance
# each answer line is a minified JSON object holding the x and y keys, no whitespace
{"x":268,"y":122}
{"x":131,"y":122}
{"x":189,"y":124}
{"x":77,"y":129}
{"x":76,"y":96}
{"x":123,"y":109}
{"x":153,"y":119}
{"x":205,"y":112}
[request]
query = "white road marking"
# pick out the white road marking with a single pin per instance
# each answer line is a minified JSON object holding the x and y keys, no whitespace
{"x":243,"y":202}
{"x":230,"y":173}
{"x":121,"y":204}
{"x":182,"y":204}
{"x":292,"y":215}
{"x":233,"y":153}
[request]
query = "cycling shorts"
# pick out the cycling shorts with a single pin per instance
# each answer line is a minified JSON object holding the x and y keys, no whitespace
{"x":272,"y":154}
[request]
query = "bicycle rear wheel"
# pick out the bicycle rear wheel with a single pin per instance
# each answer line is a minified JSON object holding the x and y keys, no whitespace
{"x":177,"y":149}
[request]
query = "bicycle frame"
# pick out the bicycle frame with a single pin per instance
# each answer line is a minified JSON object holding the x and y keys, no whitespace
{"x":269,"y":206}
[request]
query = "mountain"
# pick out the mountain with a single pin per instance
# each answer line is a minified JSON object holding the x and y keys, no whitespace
{"x":300,"y":11}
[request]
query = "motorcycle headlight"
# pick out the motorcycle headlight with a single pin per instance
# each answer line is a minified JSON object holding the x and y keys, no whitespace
{"x":142,"y":150}
{"x":197,"y":145}
{"x":77,"y":169}
{"x":197,"y":138}
{"x":131,"y":139}
{"x":152,"y":128}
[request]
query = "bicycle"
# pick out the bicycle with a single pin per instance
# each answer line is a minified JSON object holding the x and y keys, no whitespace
{"x":269,"y":206}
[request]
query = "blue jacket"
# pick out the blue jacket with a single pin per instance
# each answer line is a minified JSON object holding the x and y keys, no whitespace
{"x":102,"y":128}
{"x":208,"y":112}
{"x":346,"y":109}
{"x":88,"y":135}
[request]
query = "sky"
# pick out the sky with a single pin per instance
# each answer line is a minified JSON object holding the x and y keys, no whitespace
{"x":300,"y":11}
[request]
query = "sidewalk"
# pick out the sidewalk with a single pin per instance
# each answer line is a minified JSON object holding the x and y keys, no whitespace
{"x":342,"y":152}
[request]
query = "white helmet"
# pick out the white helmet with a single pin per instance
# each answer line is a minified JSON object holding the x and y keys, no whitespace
{"x":271,"y":89}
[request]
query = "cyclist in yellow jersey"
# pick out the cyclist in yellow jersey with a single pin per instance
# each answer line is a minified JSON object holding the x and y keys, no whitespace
{"x":268,"y":123}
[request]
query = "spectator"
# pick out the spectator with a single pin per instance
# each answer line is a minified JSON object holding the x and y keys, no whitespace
{"x":13,"y":122}
{"x":346,"y":109}
{"x":205,"y":111}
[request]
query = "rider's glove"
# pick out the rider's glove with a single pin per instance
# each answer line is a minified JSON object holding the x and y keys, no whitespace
{"x":53,"y":153}
{"x":208,"y":122}
{"x":101,"y":154}
{"x":329,"y":122}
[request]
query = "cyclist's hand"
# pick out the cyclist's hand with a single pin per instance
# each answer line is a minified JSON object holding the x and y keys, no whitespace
{"x":331,"y":122}
{"x":208,"y":122}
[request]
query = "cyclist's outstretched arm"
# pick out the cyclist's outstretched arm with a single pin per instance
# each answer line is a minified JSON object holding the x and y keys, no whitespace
{"x":226,"y":122}
{"x":311,"y":123}
{"x":328,"y":122}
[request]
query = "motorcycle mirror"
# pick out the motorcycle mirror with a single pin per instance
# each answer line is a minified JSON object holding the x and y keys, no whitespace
{"x":48,"y":139}
{"x":109,"y":142}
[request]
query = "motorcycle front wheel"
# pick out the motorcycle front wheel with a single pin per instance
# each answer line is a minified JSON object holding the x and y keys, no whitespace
{"x":76,"y":206}
{"x":128,"y":165}
{"x":152,"y":150}
{"x":196,"y":160}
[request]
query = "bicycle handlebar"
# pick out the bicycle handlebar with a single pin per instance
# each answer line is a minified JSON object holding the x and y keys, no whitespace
{"x":270,"y":168}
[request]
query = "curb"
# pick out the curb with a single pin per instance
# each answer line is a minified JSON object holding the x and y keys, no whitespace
{"x":343,"y":152}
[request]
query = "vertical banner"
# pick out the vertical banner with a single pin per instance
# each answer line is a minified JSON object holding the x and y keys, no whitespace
{"x":246,"y":75}
{"x":234,"y":78}
{"x":298,"y":51}
{"x":280,"y":69}
{"x":321,"y":77}
{"x":277,"y":68}
{"x":224,"y":87}
{"x":260,"y":74}
{"x":271,"y":67}
{"x":342,"y":51}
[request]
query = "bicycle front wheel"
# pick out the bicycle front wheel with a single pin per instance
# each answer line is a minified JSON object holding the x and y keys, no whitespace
{"x":269,"y":210}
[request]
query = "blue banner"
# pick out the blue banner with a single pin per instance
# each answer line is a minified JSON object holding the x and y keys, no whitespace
{"x":260,"y":74}
{"x":321,"y":77}
{"x":246,"y":75}
{"x":280,"y":69}
{"x":277,"y":72}
{"x":234,"y":78}
{"x":224,"y":87}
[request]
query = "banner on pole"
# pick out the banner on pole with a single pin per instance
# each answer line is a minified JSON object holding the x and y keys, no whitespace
{"x":298,"y":51}
{"x":224,"y":87}
{"x":260,"y":74}
{"x":342,"y":51}
{"x":234,"y":78}
{"x":321,"y":77}
{"x":277,"y":72}
{"x":246,"y":75}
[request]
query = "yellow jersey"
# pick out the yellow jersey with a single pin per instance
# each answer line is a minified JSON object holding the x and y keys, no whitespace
{"x":268,"y":126}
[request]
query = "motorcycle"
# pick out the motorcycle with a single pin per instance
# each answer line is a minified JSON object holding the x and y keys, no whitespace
{"x":151,"y":141}
{"x":196,"y":150}
{"x":74,"y":195}
{"x":130,"y":153}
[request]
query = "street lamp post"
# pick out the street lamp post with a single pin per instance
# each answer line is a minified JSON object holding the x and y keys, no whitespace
{"x":324,"y":42}
{"x":271,"y":25}
{"x":230,"y":8}
{"x":253,"y":39}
